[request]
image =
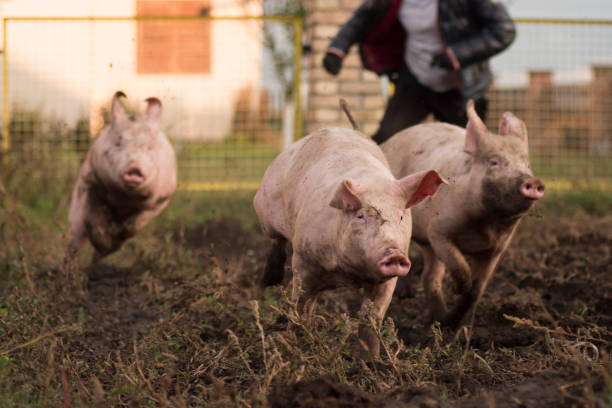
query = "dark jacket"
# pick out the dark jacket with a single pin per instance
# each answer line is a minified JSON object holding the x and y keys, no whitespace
{"x":473,"y":30}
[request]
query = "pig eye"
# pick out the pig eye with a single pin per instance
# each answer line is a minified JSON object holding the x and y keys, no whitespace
{"x":494,"y":162}
{"x":401,"y":217}
{"x":360,"y":216}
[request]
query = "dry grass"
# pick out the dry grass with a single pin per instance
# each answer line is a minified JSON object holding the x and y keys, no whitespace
{"x":176,"y":318}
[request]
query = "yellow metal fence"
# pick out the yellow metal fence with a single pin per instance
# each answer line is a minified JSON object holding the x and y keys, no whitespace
{"x":230,"y":97}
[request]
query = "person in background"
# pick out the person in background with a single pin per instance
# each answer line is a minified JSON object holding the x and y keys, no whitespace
{"x":435,"y":52}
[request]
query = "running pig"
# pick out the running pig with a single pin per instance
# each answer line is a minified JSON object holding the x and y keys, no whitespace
{"x":490,"y":189}
{"x":127,"y":178}
{"x":333,"y":197}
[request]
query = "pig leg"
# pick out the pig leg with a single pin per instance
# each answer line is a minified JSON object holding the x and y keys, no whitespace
{"x":483,"y":266}
{"x":77,"y":232}
{"x":144,"y":217}
{"x":105,"y":234}
{"x":275,"y":264}
{"x":100,"y":238}
{"x":380,"y":296}
{"x":110,"y":235}
{"x":109,"y":240}
{"x":305,"y":286}
{"x":482,"y":269}
{"x":454,"y":260}
{"x":76,"y":237}
{"x":433,"y":273}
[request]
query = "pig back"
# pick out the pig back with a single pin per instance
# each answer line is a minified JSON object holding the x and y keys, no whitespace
{"x":320,"y":164}
{"x":437,"y":146}
{"x":430,"y":145}
{"x":268,"y":200}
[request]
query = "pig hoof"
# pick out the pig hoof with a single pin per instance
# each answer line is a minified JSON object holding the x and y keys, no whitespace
{"x":437,"y":317}
{"x":464,"y":286}
{"x":455,"y":318}
{"x":273,"y":275}
{"x":368,"y":346}
{"x":450,"y":322}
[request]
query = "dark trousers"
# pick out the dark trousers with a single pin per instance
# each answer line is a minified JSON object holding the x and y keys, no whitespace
{"x":412,"y":102}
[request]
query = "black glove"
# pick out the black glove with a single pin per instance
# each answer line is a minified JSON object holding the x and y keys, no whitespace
{"x":332,"y":63}
{"x":442,"y":61}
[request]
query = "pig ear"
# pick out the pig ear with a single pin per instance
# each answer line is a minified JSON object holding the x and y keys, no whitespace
{"x":345,"y":197}
{"x":476,"y":131}
{"x":511,"y":125}
{"x":118,"y":115}
{"x":154,"y":110}
{"x":419,"y":185}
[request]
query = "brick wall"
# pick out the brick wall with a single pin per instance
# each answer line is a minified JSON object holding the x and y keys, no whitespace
{"x":539,"y":111}
{"x":601,"y":112}
{"x":360,"y":88}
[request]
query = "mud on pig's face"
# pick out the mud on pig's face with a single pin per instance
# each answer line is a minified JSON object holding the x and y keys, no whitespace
{"x":501,"y":164}
{"x":376,"y":224}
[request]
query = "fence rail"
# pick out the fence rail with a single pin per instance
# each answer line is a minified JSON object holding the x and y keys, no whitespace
{"x":231,"y":100}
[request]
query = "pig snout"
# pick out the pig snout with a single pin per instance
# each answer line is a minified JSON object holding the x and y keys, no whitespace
{"x":533,"y":188}
{"x":133,"y":176}
{"x":395,"y":264}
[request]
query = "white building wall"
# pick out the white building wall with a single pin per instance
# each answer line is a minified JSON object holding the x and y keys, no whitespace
{"x":70,"y":70}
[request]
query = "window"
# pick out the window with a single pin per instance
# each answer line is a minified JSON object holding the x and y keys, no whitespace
{"x":167,"y":47}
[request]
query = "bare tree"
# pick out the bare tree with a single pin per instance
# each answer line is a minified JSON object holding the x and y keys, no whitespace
{"x":278,"y":39}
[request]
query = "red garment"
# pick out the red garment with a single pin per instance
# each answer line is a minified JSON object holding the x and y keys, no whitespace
{"x":383,"y":49}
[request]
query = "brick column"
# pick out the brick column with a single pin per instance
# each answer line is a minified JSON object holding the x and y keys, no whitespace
{"x":360,"y":88}
{"x":539,"y":112}
{"x":601,"y":111}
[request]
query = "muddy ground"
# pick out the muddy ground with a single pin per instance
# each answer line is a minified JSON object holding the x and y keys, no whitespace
{"x":177,"y":319}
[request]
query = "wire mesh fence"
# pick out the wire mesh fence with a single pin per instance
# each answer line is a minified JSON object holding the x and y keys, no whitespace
{"x":228,"y":105}
{"x":229,"y":86}
{"x":557,"y":77}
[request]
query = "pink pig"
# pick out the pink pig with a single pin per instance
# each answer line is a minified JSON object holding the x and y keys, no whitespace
{"x":126,"y":179}
{"x":333,"y":197}
{"x":490,"y":189}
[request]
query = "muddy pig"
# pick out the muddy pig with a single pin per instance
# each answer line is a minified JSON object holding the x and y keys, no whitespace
{"x":127,"y":178}
{"x":333,"y":197}
{"x":490,"y":189}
